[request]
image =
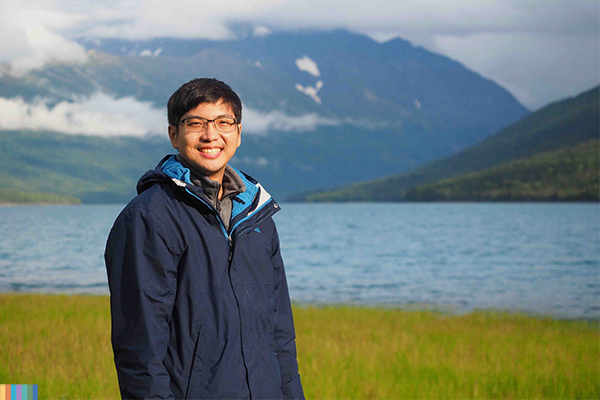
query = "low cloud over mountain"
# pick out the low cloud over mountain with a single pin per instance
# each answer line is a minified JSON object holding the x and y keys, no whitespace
{"x":99,"y":114}
{"x":550,"y":41}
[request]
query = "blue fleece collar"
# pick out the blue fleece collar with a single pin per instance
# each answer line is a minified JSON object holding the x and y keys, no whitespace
{"x":175,"y":170}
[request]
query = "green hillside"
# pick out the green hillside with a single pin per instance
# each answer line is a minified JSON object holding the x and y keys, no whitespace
{"x":9,"y":196}
{"x":570,"y":174}
{"x":562,"y":124}
{"x":93,"y":169}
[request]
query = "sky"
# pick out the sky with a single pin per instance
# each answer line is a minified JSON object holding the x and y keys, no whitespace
{"x":539,"y":50}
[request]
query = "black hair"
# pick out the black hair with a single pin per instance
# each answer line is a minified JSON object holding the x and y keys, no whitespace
{"x":199,"y":91}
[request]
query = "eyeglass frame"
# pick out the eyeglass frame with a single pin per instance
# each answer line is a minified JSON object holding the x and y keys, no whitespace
{"x":208,"y":121}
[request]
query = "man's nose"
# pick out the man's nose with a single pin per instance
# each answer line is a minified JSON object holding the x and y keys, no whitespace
{"x":210,"y":133}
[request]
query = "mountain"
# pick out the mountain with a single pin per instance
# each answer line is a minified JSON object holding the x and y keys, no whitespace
{"x":93,"y":169}
{"x":567,"y":174}
{"x":9,"y":196}
{"x":361,"y":79}
{"x":559,"y":125}
{"x":321,"y":109}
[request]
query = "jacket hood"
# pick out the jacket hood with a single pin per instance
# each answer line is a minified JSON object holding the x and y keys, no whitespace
{"x":154,"y":176}
{"x":171,"y":170}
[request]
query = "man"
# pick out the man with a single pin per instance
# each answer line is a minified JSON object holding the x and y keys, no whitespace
{"x":199,"y":299}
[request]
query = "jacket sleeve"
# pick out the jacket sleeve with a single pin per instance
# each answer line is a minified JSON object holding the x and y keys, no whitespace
{"x":285,"y":335}
{"x":142,"y":276}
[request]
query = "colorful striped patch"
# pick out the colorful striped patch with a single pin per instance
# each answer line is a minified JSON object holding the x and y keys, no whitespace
{"x":18,"y":392}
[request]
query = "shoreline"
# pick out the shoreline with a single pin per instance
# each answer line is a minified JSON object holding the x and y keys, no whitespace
{"x":436,"y":309}
{"x":12,"y":204}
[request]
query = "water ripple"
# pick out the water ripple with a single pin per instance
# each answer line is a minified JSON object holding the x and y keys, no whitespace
{"x":537,"y":258}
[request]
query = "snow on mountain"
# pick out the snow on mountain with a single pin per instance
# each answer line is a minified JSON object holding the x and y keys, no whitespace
{"x":311,"y":91}
{"x":150,"y":53}
{"x":308,"y":65}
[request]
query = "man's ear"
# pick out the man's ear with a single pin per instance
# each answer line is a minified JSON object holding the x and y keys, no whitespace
{"x":239,"y":135}
{"x":173,"y":136}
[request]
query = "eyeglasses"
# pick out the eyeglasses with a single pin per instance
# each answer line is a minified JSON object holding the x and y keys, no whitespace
{"x":199,"y":124}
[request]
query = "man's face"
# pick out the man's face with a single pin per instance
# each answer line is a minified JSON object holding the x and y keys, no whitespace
{"x":209,"y":151}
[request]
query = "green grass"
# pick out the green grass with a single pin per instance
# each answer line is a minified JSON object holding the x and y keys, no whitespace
{"x":62,"y":343}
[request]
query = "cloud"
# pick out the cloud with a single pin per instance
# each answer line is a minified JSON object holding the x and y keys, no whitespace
{"x":260,"y":162}
{"x":99,"y":114}
{"x":505,"y":33}
{"x":258,"y":122}
{"x":458,"y":17}
{"x":141,"y":19}
{"x":28,"y":40}
{"x":103,"y":115}
{"x":571,"y":61}
{"x":261,"y":31}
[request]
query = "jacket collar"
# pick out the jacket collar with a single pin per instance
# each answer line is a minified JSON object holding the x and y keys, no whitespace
{"x":251,"y":200}
{"x":232,"y":184}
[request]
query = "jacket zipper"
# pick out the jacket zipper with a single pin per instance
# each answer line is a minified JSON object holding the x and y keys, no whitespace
{"x":229,"y":237}
{"x":237,"y":302}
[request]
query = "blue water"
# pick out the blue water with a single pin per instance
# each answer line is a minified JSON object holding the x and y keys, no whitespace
{"x":536,"y":258}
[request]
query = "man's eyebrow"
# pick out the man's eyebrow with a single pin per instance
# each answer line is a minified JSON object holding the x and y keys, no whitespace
{"x":217,"y":117}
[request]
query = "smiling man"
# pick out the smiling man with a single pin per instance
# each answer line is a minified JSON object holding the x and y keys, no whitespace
{"x":199,"y":299}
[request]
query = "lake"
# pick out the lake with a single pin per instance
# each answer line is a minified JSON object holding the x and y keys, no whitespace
{"x":540,"y":258}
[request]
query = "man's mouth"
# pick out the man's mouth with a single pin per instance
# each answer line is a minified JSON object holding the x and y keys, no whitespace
{"x":212,"y":151}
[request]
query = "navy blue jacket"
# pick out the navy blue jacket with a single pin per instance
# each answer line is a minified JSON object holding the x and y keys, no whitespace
{"x":199,"y":311}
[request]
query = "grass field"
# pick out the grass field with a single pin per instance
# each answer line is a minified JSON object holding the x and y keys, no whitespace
{"x":62,"y":343}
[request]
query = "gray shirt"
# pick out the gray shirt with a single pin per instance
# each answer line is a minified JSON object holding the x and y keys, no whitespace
{"x":232,"y":186}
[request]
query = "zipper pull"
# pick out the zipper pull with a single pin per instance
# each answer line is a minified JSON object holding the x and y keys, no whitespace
{"x":230,"y":248}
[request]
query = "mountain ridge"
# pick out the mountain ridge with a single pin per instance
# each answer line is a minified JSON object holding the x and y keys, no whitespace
{"x":565,"y":174}
{"x":560,"y":124}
